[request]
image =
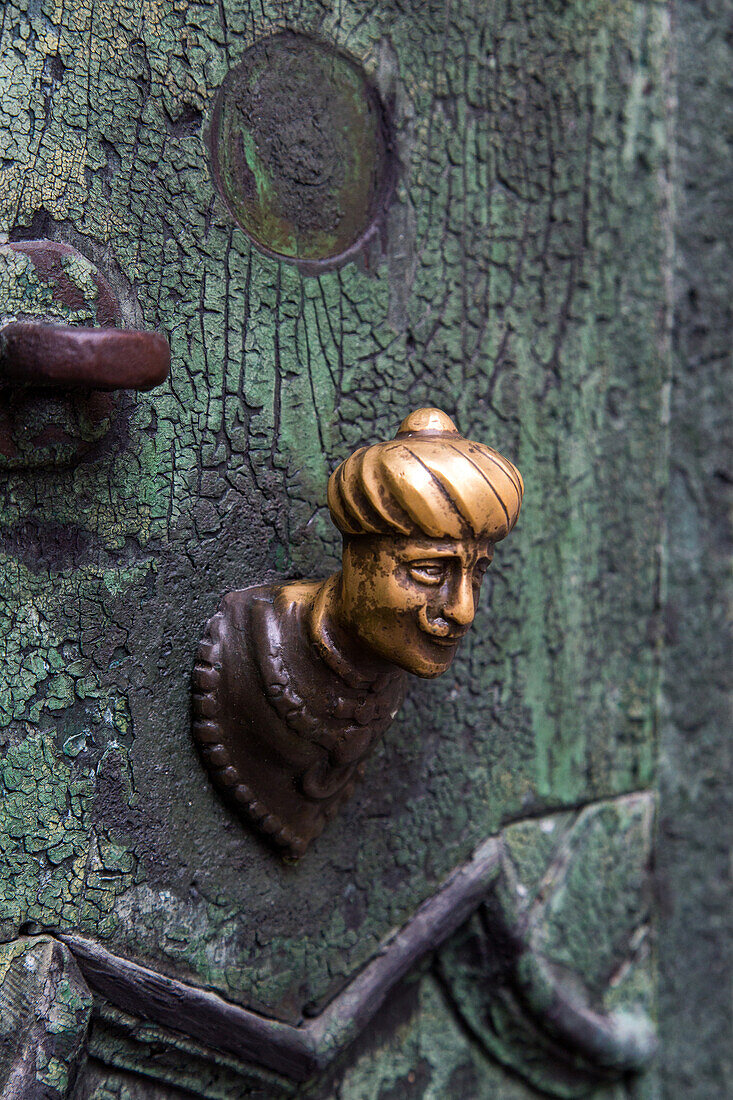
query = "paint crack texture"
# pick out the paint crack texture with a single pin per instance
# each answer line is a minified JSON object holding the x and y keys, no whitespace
{"x":517,"y":285}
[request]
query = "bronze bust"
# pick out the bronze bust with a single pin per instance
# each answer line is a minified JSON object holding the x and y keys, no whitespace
{"x":295,"y":683}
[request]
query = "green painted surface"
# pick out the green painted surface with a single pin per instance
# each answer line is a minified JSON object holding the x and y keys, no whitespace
{"x":696,"y":795}
{"x":445,"y":1028}
{"x":45,"y":1009}
{"x":579,"y":886}
{"x":520,"y":285}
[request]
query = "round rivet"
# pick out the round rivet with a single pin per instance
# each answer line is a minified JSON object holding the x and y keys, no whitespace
{"x":301,"y":150}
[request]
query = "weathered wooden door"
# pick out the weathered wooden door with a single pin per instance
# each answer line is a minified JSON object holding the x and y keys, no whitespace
{"x":510,"y":265}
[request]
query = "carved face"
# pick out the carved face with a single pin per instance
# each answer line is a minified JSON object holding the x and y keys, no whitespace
{"x":411,"y":600}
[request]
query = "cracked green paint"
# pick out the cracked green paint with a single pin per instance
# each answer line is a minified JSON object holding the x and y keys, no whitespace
{"x":45,"y":1013}
{"x":23,"y":292}
{"x":520,"y":286}
{"x":59,"y":870}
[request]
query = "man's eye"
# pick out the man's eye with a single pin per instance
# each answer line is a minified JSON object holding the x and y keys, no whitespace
{"x":426,"y":573}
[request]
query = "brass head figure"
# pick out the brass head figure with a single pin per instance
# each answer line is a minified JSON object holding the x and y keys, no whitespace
{"x":295,"y":683}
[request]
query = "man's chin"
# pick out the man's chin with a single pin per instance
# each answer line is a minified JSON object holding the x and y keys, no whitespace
{"x":429,"y":667}
{"x":424,"y":658}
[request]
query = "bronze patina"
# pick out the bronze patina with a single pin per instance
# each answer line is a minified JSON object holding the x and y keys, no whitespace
{"x":295,"y":683}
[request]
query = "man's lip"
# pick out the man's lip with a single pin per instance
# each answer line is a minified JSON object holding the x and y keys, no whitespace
{"x":446,"y":640}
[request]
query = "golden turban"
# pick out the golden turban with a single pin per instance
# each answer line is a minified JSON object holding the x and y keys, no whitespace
{"x":428,"y":480}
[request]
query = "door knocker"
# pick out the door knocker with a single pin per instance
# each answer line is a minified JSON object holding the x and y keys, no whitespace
{"x":295,"y":683}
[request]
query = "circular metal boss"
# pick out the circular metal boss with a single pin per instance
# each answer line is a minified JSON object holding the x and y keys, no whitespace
{"x":301,"y":150}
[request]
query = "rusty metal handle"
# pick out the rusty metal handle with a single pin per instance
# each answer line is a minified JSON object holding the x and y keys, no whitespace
{"x":67,"y":357}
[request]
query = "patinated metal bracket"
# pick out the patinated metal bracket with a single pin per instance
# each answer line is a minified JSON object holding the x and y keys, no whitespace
{"x":63,"y":353}
{"x":296,"y":683}
{"x":65,"y":357}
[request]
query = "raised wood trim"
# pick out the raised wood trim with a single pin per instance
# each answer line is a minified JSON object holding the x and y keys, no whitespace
{"x":298,"y":1052}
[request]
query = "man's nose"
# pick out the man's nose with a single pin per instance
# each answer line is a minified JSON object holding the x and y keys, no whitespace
{"x":459,"y":605}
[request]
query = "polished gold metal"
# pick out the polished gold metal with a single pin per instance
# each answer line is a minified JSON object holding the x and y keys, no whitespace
{"x":295,"y":683}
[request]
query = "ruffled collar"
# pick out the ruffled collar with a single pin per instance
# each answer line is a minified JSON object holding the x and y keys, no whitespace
{"x":357,"y":701}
